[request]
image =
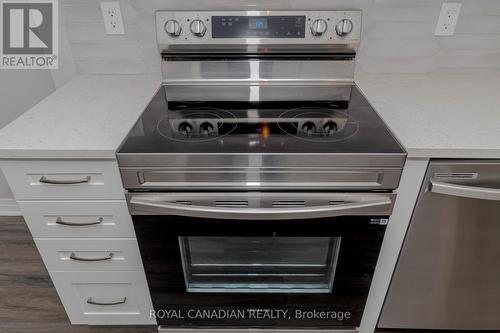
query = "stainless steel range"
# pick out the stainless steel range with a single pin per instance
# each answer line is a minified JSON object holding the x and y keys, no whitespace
{"x":259,"y":178}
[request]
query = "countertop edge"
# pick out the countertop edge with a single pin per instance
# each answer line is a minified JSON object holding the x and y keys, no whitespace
{"x":38,"y":154}
{"x":458,"y":153}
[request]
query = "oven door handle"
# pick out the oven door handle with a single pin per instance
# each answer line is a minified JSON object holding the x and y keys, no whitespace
{"x":362,"y":205}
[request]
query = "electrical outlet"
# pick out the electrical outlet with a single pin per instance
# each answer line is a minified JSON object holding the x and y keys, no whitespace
{"x":448,"y":19}
{"x":112,"y":15}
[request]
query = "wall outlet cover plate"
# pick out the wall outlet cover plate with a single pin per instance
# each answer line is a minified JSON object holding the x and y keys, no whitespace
{"x":112,"y":15}
{"x":448,"y":19}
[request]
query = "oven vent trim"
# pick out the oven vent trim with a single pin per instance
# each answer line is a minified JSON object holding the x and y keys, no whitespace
{"x":288,"y":203}
{"x":184,"y":202}
{"x":339,"y":202}
{"x":231,"y":203}
{"x":456,"y":175}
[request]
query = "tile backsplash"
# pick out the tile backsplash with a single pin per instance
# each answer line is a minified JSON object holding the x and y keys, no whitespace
{"x":398,"y":35}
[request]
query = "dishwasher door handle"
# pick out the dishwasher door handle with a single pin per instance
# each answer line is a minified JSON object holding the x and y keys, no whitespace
{"x":464,"y":191}
{"x":373,"y":203}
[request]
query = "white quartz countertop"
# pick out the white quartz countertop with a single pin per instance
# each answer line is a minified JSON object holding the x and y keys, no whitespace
{"x":440,"y":115}
{"x":87,"y":118}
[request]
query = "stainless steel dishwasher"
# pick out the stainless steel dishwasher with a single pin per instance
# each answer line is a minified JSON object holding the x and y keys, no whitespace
{"x":448,"y":273}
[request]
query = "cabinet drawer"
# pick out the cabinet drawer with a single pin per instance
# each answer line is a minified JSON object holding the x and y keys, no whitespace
{"x":90,"y":254}
{"x":78,"y":219}
{"x":40,"y":180}
{"x":104,"y":298}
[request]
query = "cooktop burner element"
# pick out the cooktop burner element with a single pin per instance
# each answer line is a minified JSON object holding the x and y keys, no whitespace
{"x":196,"y":124}
{"x":320,"y":124}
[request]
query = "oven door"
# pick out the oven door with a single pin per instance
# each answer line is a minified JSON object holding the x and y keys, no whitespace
{"x":259,"y":259}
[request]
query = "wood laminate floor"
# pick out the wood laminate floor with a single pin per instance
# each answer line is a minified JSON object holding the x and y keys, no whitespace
{"x":28,"y":300}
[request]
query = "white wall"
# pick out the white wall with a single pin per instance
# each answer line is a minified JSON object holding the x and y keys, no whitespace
{"x":19,"y":91}
{"x":398,"y":35}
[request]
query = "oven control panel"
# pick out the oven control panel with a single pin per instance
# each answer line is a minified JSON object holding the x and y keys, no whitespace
{"x":258,"y":27}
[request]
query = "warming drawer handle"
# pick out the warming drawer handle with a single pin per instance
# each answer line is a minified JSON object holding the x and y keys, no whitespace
{"x":60,"y":221}
{"x":121,"y":301}
{"x":46,"y":180}
{"x":372,"y":204}
{"x":464,"y":191}
{"x":73,"y":256}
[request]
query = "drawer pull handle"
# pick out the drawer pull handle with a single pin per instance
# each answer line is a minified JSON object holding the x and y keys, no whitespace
{"x":90,"y":301}
{"x":45,"y":180}
{"x":59,"y":220}
{"x":73,"y":256}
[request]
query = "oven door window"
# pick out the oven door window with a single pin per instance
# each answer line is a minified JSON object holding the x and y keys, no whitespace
{"x":259,"y":264}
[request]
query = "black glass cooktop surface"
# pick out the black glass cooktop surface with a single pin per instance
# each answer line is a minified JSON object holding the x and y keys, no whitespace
{"x":267,"y":127}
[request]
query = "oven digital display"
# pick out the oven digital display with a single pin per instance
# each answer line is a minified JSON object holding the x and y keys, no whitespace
{"x":257,"y":23}
{"x":258,"y":26}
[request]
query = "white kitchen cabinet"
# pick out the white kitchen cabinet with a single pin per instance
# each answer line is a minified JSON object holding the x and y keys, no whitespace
{"x":104,"y":298}
{"x":56,"y":179}
{"x":77,"y":213}
{"x":78,"y":219}
{"x":90,"y":254}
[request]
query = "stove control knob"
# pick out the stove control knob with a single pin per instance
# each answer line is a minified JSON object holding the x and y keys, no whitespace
{"x":206,"y":129}
{"x":173,"y":28}
{"x":198,"y":28}
{"x":330,"y":128}
{"x":185,"y":129}
{"x":344,"y":27}
{"x":318,"y":27}
{"x":309,"y":128}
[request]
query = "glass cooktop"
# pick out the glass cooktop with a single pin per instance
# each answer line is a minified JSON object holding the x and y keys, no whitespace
{"x":266,"y":127}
